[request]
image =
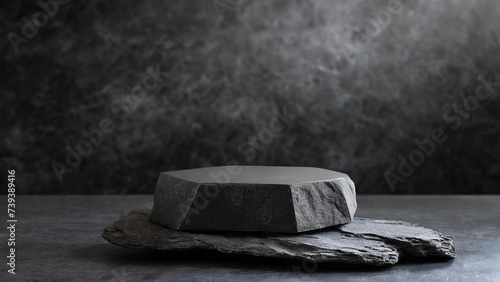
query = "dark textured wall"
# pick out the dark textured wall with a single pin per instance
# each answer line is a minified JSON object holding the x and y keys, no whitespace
{"x":357,"y":94}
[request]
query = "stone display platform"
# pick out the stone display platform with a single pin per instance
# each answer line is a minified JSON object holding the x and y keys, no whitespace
{"x":282,"y":199}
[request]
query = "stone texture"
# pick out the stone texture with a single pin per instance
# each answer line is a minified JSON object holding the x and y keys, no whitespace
{"x":254,"y":199}
{"x":413,"y":239}
{"x":363,"y":241}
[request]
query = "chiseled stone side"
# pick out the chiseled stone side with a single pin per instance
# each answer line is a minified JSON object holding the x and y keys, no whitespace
{"x":324,"y":203}
{"x":172,"y":200}
{"x":241,"y":207}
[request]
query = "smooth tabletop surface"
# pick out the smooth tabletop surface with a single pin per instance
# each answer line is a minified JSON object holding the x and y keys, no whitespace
{"x":256,"y":174}
{"x":58,"y":238}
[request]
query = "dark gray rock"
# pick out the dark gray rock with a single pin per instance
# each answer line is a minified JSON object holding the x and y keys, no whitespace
{"x":363,"y":241}
{"x":414,"y":240}
{"x":254,"y":199}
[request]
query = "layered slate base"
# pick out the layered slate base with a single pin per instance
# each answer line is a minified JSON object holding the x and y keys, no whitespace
{"x":254,"y":199}
{"x":363,"y":241}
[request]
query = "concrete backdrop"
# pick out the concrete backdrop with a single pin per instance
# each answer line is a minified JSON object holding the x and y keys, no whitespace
{"x":182,"y":84}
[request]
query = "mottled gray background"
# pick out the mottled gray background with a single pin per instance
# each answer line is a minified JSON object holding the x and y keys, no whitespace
{"x":354,"y":114}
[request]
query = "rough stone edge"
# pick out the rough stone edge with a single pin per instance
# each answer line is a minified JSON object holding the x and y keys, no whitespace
{"x":183,"y":213}
{"x":118,"y":237}
{"x":442,"y":246}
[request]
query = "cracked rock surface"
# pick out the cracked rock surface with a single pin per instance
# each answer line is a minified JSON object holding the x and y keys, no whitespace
{"x":363,"y":241}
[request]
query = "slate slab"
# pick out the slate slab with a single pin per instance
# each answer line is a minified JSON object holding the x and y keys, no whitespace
{"x":254,"y":199}
{"x":363,"y":241}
